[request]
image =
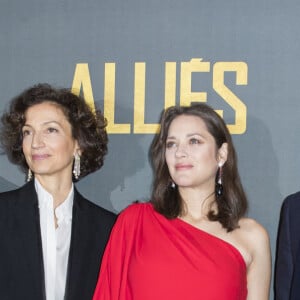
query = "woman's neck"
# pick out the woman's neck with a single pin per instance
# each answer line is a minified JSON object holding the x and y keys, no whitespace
{"x":59,"y":189}
{"x":197,"y":204}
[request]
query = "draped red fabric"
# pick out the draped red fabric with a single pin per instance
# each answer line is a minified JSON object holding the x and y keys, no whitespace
{"x":150,"y":257}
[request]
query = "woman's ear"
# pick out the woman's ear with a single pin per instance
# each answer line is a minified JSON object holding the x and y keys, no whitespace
{"x":222,"y":154}
{"x":77,"y":149}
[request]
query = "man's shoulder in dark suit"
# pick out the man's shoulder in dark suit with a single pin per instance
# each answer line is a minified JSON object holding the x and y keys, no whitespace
{"x":293,"y":200}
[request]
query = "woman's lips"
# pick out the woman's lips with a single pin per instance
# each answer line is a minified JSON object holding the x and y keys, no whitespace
{"x":183,"y":166}
{"x":39,"y":156}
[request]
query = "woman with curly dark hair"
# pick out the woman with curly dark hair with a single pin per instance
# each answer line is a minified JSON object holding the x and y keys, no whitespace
{"x":52,"y":238}
{"x":192,"y":240}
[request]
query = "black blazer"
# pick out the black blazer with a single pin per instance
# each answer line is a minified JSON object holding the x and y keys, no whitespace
{"x":21,"y":258}
{"x":287,"y":265}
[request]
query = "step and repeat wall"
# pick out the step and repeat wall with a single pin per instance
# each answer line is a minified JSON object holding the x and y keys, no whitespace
{"x":134,"y":58}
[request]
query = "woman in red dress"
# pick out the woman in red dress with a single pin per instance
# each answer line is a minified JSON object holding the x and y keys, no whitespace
{"x":191,"y":241}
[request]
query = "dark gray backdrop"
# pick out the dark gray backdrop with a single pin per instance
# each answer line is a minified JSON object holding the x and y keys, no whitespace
{"x":43,"y":41}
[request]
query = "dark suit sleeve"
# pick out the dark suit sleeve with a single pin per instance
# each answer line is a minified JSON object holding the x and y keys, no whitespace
{"x":284,"y":259}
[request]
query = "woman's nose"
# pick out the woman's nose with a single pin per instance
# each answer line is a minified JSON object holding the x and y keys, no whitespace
{"x":37,"y":140}
{"x":181,"y":151}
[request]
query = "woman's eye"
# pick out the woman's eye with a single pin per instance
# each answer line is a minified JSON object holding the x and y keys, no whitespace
{"x":170,"y":144}
{"x":194,"y":141}
{"x":25,"y":132}
{"x":51,"y":130}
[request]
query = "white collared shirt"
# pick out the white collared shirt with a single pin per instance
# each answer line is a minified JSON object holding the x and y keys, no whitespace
{"x":55,"y":242}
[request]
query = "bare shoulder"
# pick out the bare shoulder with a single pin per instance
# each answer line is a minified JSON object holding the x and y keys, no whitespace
{"x":257,"y":245}
{"x":250,"y":224}
{"x":254,"y":233}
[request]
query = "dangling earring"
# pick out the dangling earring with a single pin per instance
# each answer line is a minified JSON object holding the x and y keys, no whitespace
{"x":29,"y":175}
{"x":171,"y":184}
{"x":219,"y":186}
{"x":76,"y":168}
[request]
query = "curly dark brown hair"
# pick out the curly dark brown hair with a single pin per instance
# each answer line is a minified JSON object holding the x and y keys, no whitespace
{"x":88,"y":127}
{"x":232,"y":204}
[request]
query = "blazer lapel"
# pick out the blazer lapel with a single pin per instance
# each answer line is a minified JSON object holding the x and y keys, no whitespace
{"x":80,"y":237}
{"x":28,"y":225}
{"x":90,"y":231}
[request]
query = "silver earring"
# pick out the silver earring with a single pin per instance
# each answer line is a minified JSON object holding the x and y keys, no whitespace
{"x":173,"y":185}
{"x":76,"y":168}
{"x":29,"y":175}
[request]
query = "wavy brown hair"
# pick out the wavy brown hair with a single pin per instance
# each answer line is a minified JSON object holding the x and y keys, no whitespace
{"x":88,"y":127}
{"x":232,"y":204}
